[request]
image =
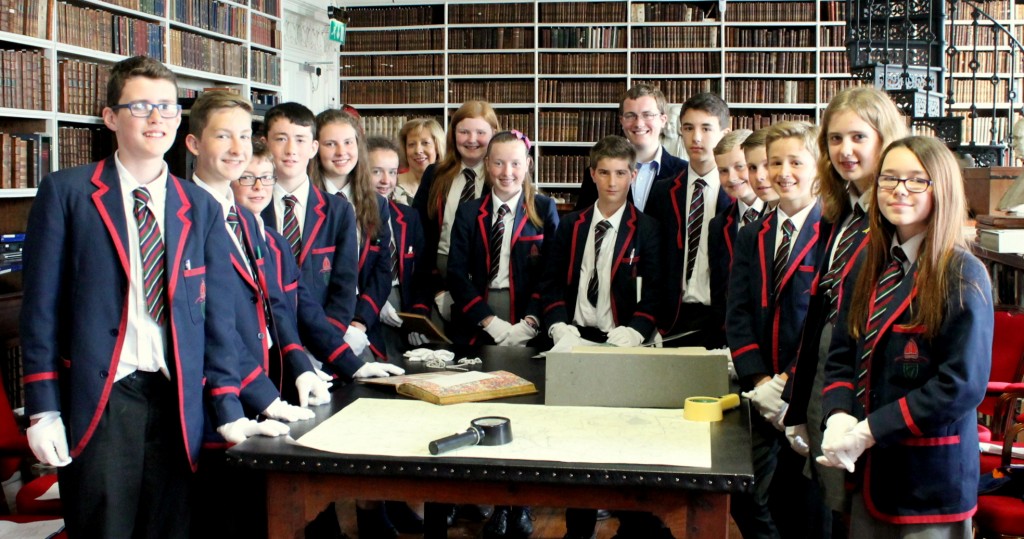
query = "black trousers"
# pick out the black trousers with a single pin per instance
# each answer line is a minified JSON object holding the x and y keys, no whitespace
{"x":133,"y":479}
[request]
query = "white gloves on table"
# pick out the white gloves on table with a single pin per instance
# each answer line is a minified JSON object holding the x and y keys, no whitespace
{"x":377,"y":370}
{"x":237,"y":431}
{"x":426,"y":354}
{"x":444,"y":305}
{"x":48,"y":441}
{"x":767,"y":399}
{"x":282,"y":411}
{"x":313,"y":390}
{"x":624,"y":336}
{"x":356,"y":340}
{"x":418,"y":339}
{"x":389,"y":316}
{"x":845,"y":440}
{"x":797,"y":436}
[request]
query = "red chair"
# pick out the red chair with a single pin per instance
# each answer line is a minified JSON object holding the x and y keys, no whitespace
{"x":1007,"y":374}
{"x":14,"y":454}
{"x":1003,"y":516}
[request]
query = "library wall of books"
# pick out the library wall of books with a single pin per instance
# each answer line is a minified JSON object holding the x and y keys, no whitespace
{"x":55,"y":57}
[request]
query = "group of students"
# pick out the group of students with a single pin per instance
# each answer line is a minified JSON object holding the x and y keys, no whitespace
{"x":162,"y":315}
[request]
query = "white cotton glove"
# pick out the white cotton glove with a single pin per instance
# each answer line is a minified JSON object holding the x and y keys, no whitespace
{"x":356,"y":340}
{"x":237,"y":431}
{"x":565,"y":336}
{"x":797,"y":437}
{"x":767,"y":398}
{"x":444,"y":305}
{"x":425,"y":354}
{"x":48,"y":441}
{"x":624,"y":336}
{"x":731,"y":367}
{"x":313,"y":390}
{"x":836,"y":427}
{"x":377,"y":370}
{"x":282,"y":411}
{"x":323,"y":375}
{"x":498,"y":329}
{"x":389,"y":316}
{"x":852,"y":445}
{"x":417,"y":339}
{"x":520,"y":334}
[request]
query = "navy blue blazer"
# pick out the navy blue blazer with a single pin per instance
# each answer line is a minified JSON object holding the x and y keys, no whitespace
{"x":74,"y":311}
{"x":637,"y":253}
{"x":470,"y":261}
{"x":375,"y":270}
{"x":800,"y":383}
{"x":763,"y":335}
{"x":431,"y":229}
{"x":922,"y":399}
{"x":721,"y":238}
{"x":671,"y":166}
{"x":668,"y":206}
{"x":283,"y":281}
{"x":328,"y":269}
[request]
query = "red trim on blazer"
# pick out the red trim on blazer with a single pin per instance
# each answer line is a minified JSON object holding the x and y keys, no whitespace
{"x":308,"y":241}
{"x":907,"y":418}
{"x":907,"y":519}
{"x":324,"y":250}
{"x":373,"y":304}
{"x":471,"y":303}
{"x":337,"y":324}
{"x":251,"y":377}
{"x":39,"y":377}
{"x":399,"y":218}
{"x":837,"y":385}
{"x":291,"y":348}
{"x":226,"y":390}
{"x":575,"y":236}
{"x":337,"y":352}
{"x":729,"y":220}
{"x":744,"y":350}
{"x":891,"y":316}
{"x":516,"y":238}
{"x":932,"y":442}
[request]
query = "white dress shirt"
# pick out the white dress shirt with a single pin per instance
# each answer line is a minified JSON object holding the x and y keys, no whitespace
{"x":600,"y":315}
{"x":698,"y":288}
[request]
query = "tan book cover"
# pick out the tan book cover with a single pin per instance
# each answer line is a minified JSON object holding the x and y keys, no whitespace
{"x":449,"y":387}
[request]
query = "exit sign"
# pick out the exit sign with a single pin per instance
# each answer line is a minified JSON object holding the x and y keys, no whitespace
{"x":337,"y":31}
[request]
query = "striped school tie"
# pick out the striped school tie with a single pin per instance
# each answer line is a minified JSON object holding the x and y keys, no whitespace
{"x":235,"y":224}
{"x":291,"y":225}
{"x":694,"y":224}
{"x":469,"y":189}
{"x":887,"y":284}
{"x":394,"y":260}
{"x":782,"y":256}
{"x":832,"y":283}
{"x":749,"y":216}
{"x":594,"y":285}
{"x":151,"y":249}
{"x":497,"y":235}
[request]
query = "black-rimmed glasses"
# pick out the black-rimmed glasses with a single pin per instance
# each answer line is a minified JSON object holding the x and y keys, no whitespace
{"x":249,"y":180}
{"x":142,"y":109}
{"x":912,"y":185}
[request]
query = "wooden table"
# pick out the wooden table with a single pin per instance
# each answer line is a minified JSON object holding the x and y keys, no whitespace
{"x":693,"y":502}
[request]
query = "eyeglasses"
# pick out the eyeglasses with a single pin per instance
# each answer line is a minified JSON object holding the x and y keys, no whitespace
{"x":249,"y":180}
{"x":648,"y":116}
{"x":142,"y":109}
{"x":912,"y":185}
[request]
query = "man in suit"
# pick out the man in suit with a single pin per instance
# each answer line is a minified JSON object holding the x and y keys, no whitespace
{"x":119,"y":334}
{"x":684,"y":207}
{"x":642,"y":114}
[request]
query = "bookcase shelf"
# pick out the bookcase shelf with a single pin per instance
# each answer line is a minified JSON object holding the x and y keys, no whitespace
{"x":78,"y":40}
{"x":572,"y":90}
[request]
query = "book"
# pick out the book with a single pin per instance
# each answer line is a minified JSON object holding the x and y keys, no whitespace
{"x":417,"y":323}
{"x":1002,"y":240}
{"x":448,"y":387}
{"x":1000,"y":221}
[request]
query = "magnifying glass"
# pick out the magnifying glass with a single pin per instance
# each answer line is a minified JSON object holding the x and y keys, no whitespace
{"x":489,"y":430}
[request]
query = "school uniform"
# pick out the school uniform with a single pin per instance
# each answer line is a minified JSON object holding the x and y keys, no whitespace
{"x":325,"y":261}
{"x":721,"y":239}
{"x":920,"y":397}
{"x":469,"y":265}
{"x":88,"y":339}
{"x":407,"y":293}
{"x":687,"y":298}
{"x":634,"y":288}
{"x":668,"y":167}
{"x":763,"y":332}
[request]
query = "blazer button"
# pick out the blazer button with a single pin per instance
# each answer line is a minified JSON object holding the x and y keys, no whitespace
{"x":103,"y":374}
{"x":259,"y":336}
{"x":252,"y":299}
{"x":113,"y":333}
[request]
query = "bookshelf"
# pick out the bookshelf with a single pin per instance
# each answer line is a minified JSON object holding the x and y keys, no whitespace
{"x":555,"y":70}
{"x":55,"y":56}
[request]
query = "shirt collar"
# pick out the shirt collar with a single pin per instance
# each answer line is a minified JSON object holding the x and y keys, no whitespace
{"x":743,"y":207}
{"x":656,"y":161}
{"x":157,"y":188}
{"x":512,"y":203}
{"x":799,"y":219}
{"x":613,"y":219}
{"x":226,"y":201}
{"x":301,"y":193}
{"x":911,"y":248}
{"x":711,"y":178}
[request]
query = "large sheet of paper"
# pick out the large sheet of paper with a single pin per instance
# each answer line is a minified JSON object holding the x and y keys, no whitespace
{"x":403,"y":428}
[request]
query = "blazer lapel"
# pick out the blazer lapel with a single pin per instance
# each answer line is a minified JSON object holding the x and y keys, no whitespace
{"x":580,"y":230}
{"x":766,"y":248}
{"x":730,"y":231}
{"x":483,"y":223}
{"x":519,"y":221}
{"x":398,"y":226}
{"x":678,"y":205}
{"x":805,"y":241}
{"x":177,"y":223}
{"x":624,"y":238}
{"x":315,"y":217}
{"x":110,"y":205}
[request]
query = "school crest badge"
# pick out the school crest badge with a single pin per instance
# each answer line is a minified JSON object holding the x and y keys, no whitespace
{"x":325,"y":270}
{"x":911,"y":361}
{"x":201,"y":300}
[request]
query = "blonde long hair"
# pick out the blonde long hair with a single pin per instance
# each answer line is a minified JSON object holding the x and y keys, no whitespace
{"x":364,"y":196}
{"x":450,"y":165}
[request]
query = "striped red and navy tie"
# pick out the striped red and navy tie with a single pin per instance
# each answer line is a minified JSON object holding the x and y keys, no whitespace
{"x":151,"y":249}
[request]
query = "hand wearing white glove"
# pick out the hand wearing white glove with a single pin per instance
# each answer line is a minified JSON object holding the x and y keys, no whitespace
{"x":444,"y":305}
{"x":237,"y":431}
{"x":797,"y":436}
{"x":48,"y":441}
{"x":731,"y":367}
{"x":378,"y":370}
{"x":389,"y":316}
{"x":520,"y":334}
{"x":498,"y":329}
{"x":356,"y":340}
{"x":313,"y":390}
{"x":282,"y":411}
{"x":624,"y":336}
{"x":852,"y":445}
{"x":836,"y":427}
{"x":780,"y":417}
{"x":418,"y":339}
{"x":767,"y":398}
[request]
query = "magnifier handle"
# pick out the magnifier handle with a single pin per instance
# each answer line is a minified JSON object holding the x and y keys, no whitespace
{"x":448,"y":443}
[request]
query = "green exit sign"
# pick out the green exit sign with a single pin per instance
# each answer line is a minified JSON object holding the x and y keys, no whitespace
{"x":337,"y":31}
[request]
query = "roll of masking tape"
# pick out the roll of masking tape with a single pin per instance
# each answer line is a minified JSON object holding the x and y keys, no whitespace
{"x":709,"y":408}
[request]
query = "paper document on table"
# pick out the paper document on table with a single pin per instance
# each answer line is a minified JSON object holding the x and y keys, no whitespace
{"x":581,"y":434}
{"x":31,"y":530}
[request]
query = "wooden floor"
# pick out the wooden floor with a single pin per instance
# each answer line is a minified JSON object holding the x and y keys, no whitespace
{"x":549,"y":523}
